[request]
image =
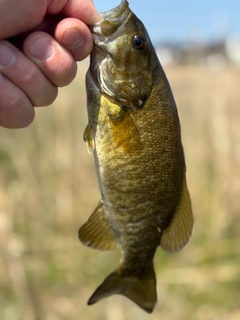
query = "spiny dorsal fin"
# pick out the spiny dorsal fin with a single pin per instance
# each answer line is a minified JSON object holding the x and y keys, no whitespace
{"x":97,"y":232}
{"x":88,"y":138}
{"x":179,"y":230}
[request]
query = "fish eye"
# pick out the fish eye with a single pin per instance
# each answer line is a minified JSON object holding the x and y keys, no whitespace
{"x":139,"y":43}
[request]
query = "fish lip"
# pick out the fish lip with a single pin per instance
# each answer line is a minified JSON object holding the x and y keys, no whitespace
{"x":111,"y":20}
{"x":103,"y":32}
{"x":115,"y":12}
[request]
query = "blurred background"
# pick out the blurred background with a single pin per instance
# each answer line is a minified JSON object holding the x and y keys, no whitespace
{"x":48,"y":186}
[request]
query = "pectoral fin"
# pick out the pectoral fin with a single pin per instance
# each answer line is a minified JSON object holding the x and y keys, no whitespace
{"x":179,"y":230}
{"x":126,"y":134}
{"x":97,"y":232}
{"x":88,"y":138}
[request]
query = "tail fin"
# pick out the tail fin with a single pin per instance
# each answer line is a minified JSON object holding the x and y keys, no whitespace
{"x":141,"y":289}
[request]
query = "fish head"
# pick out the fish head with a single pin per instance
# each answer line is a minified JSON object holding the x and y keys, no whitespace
{"x":123,"y":58}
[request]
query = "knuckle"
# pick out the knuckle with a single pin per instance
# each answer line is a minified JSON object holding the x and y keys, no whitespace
{"x":35,"y":16}
{"x":49,"y":96}
{"x":17,"y":113}
{"x":30,"y":77}
{"x":15,"y":108}
{"x":66,"y":73}
{"x":15,"y":102}
{"x":40,"y":91}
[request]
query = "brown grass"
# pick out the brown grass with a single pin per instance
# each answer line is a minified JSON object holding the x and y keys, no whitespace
{"x":48,"y":189}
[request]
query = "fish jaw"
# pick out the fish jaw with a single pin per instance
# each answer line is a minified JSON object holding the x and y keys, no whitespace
{"x":111,"y":20}
{"x":113,"y":66}
{"x":104,"y":33}
{"x":116,"y":12}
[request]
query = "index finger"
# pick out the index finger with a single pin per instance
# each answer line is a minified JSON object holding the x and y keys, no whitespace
{"x":83,"y":10}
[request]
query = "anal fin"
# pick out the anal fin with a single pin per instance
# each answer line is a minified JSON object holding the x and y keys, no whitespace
{"x":97,"y":232}
{"x":179,"y":230}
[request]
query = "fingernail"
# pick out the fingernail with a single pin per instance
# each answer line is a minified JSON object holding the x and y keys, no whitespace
{"x":42,"y":49}
{"x":71,"y":39}
{"x":7,"y":56}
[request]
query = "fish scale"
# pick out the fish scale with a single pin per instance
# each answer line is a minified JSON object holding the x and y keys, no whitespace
{"x":134,"y":135}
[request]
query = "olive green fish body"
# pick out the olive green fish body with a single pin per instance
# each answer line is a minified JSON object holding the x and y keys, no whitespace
{"x":134,"y":135}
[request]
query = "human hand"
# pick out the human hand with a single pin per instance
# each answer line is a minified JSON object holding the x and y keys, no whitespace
{"x":40,"y":42}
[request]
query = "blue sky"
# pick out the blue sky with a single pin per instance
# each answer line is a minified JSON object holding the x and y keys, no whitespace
{"x":183,"y":20}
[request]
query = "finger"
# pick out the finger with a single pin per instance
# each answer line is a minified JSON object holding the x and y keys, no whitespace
{"x":83,"y":10}
{"x":75,"y":36}
{"x":16,"y":110}
{"x":56,"y":63}
{"x":26,"y":75}
{"x":48,"y":25}
{"x":22,"y":15}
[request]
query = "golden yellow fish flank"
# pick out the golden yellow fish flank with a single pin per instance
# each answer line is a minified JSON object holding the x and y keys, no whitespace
{"x":134,"y":135}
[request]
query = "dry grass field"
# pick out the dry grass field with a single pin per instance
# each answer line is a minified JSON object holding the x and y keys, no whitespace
{"x":48,"y":189}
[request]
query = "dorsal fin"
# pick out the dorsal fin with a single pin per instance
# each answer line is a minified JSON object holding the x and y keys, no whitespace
{"x":97,"y":231}
{"x":179,"y":230}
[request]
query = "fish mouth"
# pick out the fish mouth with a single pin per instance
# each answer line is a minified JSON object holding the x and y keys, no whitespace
{"x":103,"y":32}
{"x":109,"y":27}
{"x":115,"y":12}
{"x":111,"y":20}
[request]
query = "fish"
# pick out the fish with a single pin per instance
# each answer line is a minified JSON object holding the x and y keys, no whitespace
{"x":134,"y":134}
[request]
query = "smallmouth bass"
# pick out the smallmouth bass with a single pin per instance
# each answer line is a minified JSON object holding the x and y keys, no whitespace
{"x":135,"y":137}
